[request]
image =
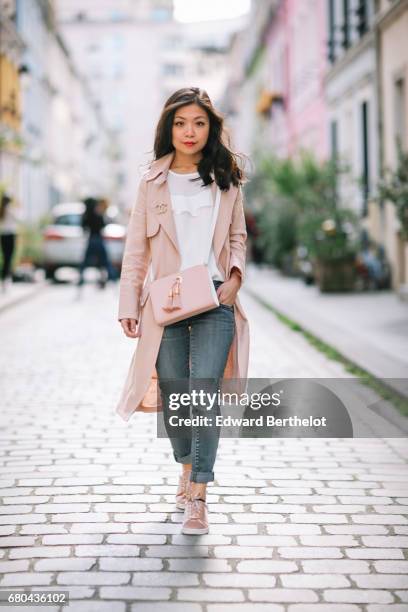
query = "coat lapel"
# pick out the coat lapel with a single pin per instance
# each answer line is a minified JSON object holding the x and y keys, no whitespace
{"x":160,"y":204}
{"x":161,"y":207}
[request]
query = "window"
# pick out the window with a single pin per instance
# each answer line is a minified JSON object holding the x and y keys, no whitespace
{"x":171,"y":42}
{"x":72,"y":219}
{"x":362,"y":17}
{"x":173,"y":69}
{"x":399,"y":122}
{"x":331,"y":30}
{"x":377,"y":6}
{"x":346,"y":25}
{"x":160,"y":14}
{"x":121,"y":178}
{"x":93,"y":48}
{"x":117,"y":42}
{"x":334,"y":147}
{"x":333,"y":141}
{"x":365,"y":174}
{"x":118,"y":15}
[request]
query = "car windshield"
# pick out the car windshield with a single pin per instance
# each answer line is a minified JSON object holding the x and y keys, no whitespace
{"x":74,"y":219}
{"x":69,"y":219}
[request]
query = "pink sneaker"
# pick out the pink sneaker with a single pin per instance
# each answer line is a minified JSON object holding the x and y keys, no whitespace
{"x":182,"y":491}
{"x":195,"y":519}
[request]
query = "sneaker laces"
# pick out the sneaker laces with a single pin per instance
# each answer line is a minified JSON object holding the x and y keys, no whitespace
{"x":195,"y":508}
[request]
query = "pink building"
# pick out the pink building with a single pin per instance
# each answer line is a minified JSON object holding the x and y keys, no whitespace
{"x":296,"y":50}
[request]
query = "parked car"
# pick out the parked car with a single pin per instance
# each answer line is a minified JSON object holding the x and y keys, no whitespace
{"x":64,"y":240}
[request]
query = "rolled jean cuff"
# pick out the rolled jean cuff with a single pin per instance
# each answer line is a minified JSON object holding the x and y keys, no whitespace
{"x":185,"y":459}
{"x":201,"y":476}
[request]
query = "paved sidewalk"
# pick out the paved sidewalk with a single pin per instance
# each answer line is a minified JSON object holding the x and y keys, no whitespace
{"x":87,"y":500}
{"x":19,"y":292}
{"x":370,"y":329}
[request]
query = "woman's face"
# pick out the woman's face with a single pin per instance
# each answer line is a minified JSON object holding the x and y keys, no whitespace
{"x":191,"y":124}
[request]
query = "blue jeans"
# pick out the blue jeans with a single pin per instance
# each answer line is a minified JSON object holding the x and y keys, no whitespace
{"x":96,"y":254}
{"x":205,"y":339}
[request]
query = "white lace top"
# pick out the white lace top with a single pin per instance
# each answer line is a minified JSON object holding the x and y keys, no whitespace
{"x":192,"y":206}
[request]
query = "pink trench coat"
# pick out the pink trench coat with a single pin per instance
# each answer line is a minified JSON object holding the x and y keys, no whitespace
{"x":152,"y":238}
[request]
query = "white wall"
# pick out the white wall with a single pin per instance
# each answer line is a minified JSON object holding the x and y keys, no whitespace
{"x":347,"y":87}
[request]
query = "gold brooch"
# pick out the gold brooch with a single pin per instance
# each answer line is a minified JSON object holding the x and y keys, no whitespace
{"x":161,"y":207}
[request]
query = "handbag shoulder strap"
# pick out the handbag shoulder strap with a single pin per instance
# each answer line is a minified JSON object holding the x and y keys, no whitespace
{"x":213,"y":220}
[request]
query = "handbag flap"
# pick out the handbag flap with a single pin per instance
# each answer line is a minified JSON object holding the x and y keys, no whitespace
{"x":197,"y":294}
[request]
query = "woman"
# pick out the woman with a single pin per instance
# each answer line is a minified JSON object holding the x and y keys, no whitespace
{"x":10,"y":217}
{"x":96,"y":252}
{"x":168,"y":228}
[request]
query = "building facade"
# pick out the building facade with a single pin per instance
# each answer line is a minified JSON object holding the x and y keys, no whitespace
{"x":366,"y":92}
{"x":329,"y":76}
{"x":351,"y":92}
{"x":11,"y":70}
{"x":134,"y":55}
{"x":392,"y":53}
{"x":47,"y":116}
{"x":247,"y":71}
{"x":116,"y":47}
{"x":295,"y":48}
{"x":277,"y":68}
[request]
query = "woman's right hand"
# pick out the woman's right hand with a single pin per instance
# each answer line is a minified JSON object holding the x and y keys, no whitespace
{"x":129,"y":327}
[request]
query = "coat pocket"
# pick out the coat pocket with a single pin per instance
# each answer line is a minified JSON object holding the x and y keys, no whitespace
{"x":142,"y":301}
{"x":144,"y":296}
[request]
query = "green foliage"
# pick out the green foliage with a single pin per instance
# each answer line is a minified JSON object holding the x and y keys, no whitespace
{"x":31,"y":238}
{"x":337,"y":238}
{"x":29,"y":244}
{"x":395,"y":189}
{"x":255,"y":60}
{"x":7,"y":142}
{"x":278,"y":235}
{"x":297,"y":199}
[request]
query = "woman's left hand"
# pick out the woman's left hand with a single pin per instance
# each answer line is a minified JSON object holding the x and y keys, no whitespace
{"x":227,"y":292}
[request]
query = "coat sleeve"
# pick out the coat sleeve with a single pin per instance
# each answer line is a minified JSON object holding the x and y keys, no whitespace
{"x":136,"y":259}
{"x":238,"y":236}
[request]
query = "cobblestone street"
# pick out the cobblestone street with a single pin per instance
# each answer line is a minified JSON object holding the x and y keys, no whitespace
{"x":87,"y":500}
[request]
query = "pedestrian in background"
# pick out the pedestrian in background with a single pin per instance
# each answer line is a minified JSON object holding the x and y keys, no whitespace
{"x":96,"y":252}
{"x":10,"y":216}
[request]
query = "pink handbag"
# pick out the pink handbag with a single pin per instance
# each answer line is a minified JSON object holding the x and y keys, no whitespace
{"x":186,"y":293}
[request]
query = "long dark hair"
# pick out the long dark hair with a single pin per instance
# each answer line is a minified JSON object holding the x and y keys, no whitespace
{"x":5,"y":200}
{"x":217,"y":157}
